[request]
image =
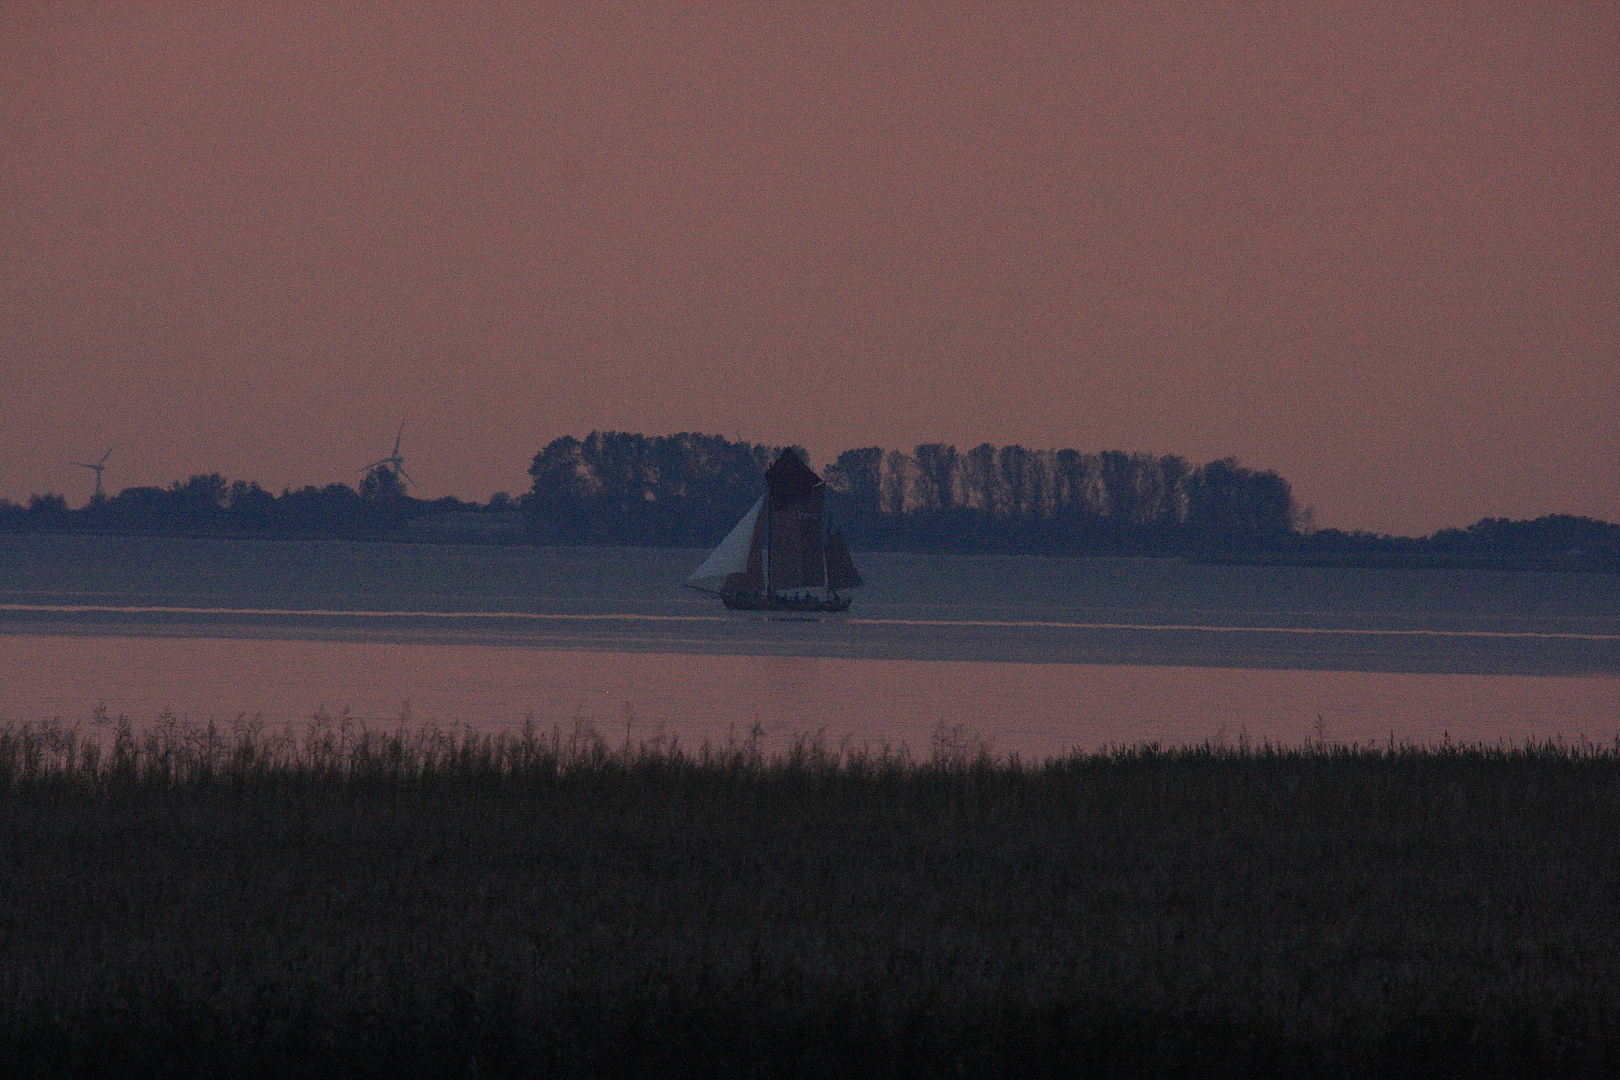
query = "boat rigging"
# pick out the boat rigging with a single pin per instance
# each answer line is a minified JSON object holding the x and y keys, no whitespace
{"x":782,"y":556}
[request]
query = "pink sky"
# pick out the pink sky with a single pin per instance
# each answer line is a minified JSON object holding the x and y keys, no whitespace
{"x":1374,"y":247}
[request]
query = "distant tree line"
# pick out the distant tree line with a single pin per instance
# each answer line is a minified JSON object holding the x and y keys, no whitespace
{"x":687,"y":489}
{"x":209,"y":505}
{"x":1013,"y":498}
{"x":614,"y":487}
{"x":1556,"y":540}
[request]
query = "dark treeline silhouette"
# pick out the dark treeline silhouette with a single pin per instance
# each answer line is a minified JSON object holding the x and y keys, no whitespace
{"x":209,"y":505}
{"x":686,"y":490}
{"x":1554,"y":541}
{"x":1014,"y":499}
{"x":615,"y":487}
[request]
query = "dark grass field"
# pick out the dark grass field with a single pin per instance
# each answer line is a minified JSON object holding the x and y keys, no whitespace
{"x":191,"y":902}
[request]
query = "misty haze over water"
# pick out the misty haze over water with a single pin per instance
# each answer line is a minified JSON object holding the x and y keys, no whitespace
{"x":1030,"y":653}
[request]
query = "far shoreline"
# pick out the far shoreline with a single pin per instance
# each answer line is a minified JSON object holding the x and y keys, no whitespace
{"x":1412,"y":562}
{"x":1583,"y":564}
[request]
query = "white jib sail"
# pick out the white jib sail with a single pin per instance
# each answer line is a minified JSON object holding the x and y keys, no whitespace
{"x":731,"y":557}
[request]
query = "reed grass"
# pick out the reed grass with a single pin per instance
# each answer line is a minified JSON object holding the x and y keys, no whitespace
{"x":237,"y":900}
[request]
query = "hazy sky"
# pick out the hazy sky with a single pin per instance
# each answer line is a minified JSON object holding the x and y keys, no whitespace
{"x":1371,"y":246}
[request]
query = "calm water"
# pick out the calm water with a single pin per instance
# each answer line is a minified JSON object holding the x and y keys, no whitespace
{"x":1029,"y":654}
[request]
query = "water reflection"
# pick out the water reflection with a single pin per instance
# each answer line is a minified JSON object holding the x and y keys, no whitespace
{"x":1029,"y":708}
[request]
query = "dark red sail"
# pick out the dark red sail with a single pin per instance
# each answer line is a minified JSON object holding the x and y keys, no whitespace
{"x":798,"y":498}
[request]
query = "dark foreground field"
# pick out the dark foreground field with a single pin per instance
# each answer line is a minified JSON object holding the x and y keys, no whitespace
{"x":195,"y":903}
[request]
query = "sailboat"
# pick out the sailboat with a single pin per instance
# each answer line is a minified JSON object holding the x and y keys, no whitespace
{"x":782,"y":556}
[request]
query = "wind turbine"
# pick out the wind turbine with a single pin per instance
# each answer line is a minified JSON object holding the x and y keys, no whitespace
{"x":394,"y":462}
{"x":101,"y":466}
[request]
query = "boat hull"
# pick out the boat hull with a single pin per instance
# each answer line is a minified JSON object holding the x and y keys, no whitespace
{"x":825,"y":604}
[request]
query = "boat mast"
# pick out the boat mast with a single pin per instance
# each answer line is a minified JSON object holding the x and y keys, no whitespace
{"x":826,"y":578}
{"x":765,"y":548}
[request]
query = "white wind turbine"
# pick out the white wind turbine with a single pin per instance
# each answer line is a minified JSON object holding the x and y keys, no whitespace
{"x":98,"y":468}
{"x":394,"y":462}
